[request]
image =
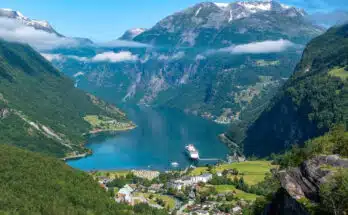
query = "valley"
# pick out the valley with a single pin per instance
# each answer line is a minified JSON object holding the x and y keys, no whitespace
{"x":212,"y":108}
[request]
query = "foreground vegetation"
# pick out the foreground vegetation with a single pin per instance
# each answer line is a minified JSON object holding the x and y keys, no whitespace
{"x":34,"y":184}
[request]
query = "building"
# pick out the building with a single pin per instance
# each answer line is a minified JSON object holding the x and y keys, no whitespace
{"x":236,"y":210}
{"x":190,"y":181}
{"x":155,"y":188}
{"x":125,"y":194}
{"x":202,"y":178}
{"x":202,"y":212}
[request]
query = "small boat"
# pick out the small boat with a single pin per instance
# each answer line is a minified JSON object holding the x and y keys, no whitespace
{"x":174,"y":164}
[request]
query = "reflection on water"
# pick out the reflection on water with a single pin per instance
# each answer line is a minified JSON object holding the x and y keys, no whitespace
{"x":158,"y":141}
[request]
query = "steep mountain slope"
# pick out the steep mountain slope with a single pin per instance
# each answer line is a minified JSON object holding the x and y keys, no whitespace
{"x":40,"y":108}
{"x":312,"y":101}
{"x":34,"y":184}
{"x":201,"y":61}
{"x":214,"y":24}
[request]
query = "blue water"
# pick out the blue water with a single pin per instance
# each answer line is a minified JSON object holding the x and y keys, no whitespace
{"x":158,"y":140}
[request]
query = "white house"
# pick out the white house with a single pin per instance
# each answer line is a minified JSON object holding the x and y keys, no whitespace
{"x":189,"y":181}
{"x":202,"y":178}
{"x":236,"y":210}
{"x":125,"y":194}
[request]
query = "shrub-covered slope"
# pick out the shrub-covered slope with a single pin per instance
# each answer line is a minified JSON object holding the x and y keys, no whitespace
{"x":40,"y":109}
{"x":313,"y":100}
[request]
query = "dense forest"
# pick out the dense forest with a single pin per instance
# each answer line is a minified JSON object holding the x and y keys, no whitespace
{"x":44,"y":111}
{"x":34,"y":184}
{"x":313,"y":100}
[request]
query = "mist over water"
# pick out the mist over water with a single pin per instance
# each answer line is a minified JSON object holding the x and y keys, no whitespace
{"x":158,"y":140}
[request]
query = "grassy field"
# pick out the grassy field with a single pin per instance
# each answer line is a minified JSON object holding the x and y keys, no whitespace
{"x":240,"y":194}
{"x":104,"y":123}
{"x":170,"y":202}
{"x":339,"y":72}
{"x":253,"y":171}
{"x":112,"y":174}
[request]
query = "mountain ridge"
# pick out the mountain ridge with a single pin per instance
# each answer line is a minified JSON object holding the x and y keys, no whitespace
{"x":312,"y":101}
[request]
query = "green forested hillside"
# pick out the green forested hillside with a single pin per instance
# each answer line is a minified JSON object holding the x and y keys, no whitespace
{"x":34,"y":184}
{"x":313,"y":100}
{"x":43,"y":110}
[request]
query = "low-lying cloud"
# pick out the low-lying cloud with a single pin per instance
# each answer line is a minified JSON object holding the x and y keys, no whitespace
{"x":123,"y":43}
{"x":268,"y":46}
{"x":115,"y":57}
{"x":15,"y":31}
{"x":52,"y":57}
{"x":111,"y":57}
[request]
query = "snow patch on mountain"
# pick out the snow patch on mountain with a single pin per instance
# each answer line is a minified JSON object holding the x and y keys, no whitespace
{"x":221,"y":5}
{"x":38,"y":24}
{"x":254,"y":7}
{"x":197,"y":12}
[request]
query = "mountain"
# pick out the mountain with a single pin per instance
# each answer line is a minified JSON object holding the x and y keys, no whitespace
{"x":40,"y":109}
{"x":216,"y":24}
{"x":132,"y":33}
{"x":31,"y":183}
{"x":215,"y":71}
{"x":19,"y":21}
{"x":37,"y":24}
{"x":312,"y":101}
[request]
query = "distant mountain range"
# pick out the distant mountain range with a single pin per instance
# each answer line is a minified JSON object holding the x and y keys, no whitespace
{"x":210,"y":59}
{"x":219,"y":24}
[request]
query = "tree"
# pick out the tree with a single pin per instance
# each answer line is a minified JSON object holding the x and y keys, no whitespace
{"x":334,"y":194}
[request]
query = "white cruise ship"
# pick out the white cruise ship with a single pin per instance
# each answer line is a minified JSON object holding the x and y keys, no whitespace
{"x":192,"y":152}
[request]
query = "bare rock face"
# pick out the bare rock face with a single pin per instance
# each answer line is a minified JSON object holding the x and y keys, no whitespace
{"x":305,"y":181}
{"x":302,"y":182}
{"x":4,"y":113}
{"x":284,"y":204}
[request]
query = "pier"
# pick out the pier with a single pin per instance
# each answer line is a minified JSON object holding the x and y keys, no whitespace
{"x":209,"y":159}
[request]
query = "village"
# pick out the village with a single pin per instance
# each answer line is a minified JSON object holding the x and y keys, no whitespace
{"x":221,"y":189}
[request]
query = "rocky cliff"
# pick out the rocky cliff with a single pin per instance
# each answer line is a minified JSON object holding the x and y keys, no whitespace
{"x":303,"y":182}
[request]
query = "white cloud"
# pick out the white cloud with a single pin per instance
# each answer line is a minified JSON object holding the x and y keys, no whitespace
{"x":52,"y":57}
{"x":268,"y":46}
{"x":124,"y":43}
{"x":175,"y":56}
{"x":77,"y":58}
{"x":115,"y":57}
{"x":200,"y":57}
{"x":15,"y":31}
{"x":102,"y":57}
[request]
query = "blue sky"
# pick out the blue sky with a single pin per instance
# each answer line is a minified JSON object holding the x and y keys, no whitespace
{"x":103,"y":20}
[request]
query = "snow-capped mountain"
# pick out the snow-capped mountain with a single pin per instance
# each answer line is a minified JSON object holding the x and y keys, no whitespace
{"x":203,"y":23}
{"x":131,"y":33}
{"x":46,"y":37}
{"x":37,"y":24}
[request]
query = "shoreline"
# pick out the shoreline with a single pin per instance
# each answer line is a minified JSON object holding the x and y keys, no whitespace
{"x":98,"y":131}
{"x":92,"y":133}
